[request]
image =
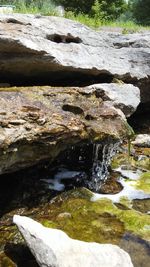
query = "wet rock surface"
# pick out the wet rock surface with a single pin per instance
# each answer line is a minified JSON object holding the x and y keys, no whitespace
{"x":37,"y":123}
{"x":74,"y":212}
{"x":125,"y":223}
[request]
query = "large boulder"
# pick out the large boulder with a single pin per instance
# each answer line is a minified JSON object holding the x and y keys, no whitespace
{"x":53,"y":248}
{"x":37,"y":123}
{"x":52,"y":50}
{"x":123,"y":96}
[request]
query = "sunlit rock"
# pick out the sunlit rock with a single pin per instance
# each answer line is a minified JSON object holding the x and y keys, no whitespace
{"x":123,"y":96}
{"x":142,"y":140}
{"x":50,"y":50}
{"x":52,"y":247}
{"x":37,"y":123}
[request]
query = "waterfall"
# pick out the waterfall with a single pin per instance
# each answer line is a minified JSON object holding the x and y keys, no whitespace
{"x":102,"y":156}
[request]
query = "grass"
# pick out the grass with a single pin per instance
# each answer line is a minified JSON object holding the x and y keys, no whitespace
{"x":125,"y":27}
{"x":49,"y":9}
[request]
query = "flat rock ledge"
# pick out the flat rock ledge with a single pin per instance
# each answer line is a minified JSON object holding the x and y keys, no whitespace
{"x":51,"y":51}
{"x":53,"y":248}
{"x":37,"y":123}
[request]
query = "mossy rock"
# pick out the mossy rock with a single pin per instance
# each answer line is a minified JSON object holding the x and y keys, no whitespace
{"x":100,"y":221}
{"x":144,"y":182}
{"x":132,"y":160}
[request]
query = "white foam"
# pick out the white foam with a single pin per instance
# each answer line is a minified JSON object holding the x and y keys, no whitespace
{"x":130,"y":174}
{"x":128,"y":191}
{"x":55,"y":183}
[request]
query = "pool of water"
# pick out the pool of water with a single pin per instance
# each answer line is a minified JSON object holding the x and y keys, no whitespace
{"x":56,"y":197}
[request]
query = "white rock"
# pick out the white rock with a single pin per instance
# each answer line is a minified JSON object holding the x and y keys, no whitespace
{"x":54,"y":49}
{"x":124,"y":96}
{"x":53,"y":248}
{"x":142,"y":140}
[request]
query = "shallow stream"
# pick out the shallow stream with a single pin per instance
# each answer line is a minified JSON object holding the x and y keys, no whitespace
{"x":118,"y":213}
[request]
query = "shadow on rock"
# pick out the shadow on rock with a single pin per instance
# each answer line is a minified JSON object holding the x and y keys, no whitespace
{"x":20,"y":255}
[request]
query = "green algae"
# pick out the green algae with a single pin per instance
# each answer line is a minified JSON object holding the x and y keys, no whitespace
{"x":125,"y":202}
{"x":136,"y":222}
{"x":9,"y":234}
{"x":87,"y":221}
{"x":100,"y":221}
{"x":133,"y":220}
{"x":144,"y":182}
{"x":73,"y":212}
{"x":5,"y":261}
{"x":132,"y":160}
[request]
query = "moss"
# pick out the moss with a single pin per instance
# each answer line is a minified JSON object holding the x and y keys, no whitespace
{"x":9,"y":234}
{"x":74,"y":212}
{"x":125,"y":202}
{"x":101,"y":221}
{"x":133,"y":221}
{"x":87,"y":221}
{"x":144,"y":182}
{"x":5,"y":261}
{"x":136,"y":222}
{"x":127,"y":159}
{"x":118,"y":160}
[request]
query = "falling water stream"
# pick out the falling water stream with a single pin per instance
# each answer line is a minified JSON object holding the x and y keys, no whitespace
{"x":95,"y":174}
{"x":100,"y":168}
{"x":38,"y":193}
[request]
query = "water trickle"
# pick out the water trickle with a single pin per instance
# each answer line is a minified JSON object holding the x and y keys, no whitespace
{"x":102,"y":156}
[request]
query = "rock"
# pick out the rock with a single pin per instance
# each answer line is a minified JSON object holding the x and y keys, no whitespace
{"x":124,"y":96}
{"x":4,"y":85}
{"x":52,"y":50}
{"x":53,"y":247}
{"x":142,"y":140}
{"x":37,"y":123}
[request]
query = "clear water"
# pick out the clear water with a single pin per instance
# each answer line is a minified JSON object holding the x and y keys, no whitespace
{"x":27,"y":190}
{"x":100,"y":168}
{"x":93,"y":177}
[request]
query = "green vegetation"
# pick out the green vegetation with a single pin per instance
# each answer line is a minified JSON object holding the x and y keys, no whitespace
{"x":45,"y":7}
{"x":93,"y":13}
{"x":101,"y":221}
{"x":132,"y":160}
{"x":106,"y":9}
{"x":141,"y":11}
{"x":144,"y":182}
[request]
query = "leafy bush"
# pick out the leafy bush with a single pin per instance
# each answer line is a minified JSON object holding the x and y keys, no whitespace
{"x":102,"y":9}
{"x":76,"y":6}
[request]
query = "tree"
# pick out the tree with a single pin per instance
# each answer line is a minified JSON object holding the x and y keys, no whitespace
{"x":76,"y":6}
{"x":141,"y":11}
{"x":110,"y":9}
